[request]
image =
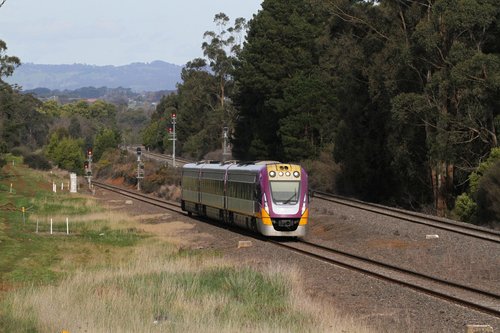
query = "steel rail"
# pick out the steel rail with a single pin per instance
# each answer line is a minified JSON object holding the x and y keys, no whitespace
{"x":428,"y":220}
{"x":140,"y":196}
{"x":481,"y":300}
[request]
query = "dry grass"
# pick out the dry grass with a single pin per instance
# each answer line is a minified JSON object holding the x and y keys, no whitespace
{"x":159,"y":290}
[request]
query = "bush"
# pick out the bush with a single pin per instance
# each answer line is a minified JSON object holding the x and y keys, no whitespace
{"x":488,"y":196}
{"x":156,"y":179}
{"x":465,"y":208}
{"x":3,"y":148}
{"x":481,"y":203}
{"x":322,"y":172}
{"x":37,"y":161}
{"x":20,"y":151}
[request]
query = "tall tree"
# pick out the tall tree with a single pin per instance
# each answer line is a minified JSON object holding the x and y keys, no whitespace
{"x":281,"y":48}
{"x":7,"y":63}
{"x":452,"y":50}
{"x":357,"y":34}
{"x":203,"y":103}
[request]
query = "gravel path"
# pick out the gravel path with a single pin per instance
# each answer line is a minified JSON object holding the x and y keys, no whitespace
{"x":381,"y":305}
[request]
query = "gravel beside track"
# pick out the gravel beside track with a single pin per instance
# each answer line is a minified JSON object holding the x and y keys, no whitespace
{"x":379,"y":304}
{"x":452,"y":256}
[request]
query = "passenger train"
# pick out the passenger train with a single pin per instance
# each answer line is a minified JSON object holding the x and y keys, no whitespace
{"x":268,"y":197}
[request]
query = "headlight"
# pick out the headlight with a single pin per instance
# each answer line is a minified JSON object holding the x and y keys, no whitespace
{"x":287,"y":173}
{"x":296,"y":174}
{"x":280,"y":173}
{"x":272,"y":174}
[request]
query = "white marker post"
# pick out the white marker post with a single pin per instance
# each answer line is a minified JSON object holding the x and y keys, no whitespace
{"x":36,"y":225}
{"x":51,"y":226}
{"x":10,"y":187}
{"x":67,"y":226}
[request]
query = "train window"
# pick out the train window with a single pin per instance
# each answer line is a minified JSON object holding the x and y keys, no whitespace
{"x":285,"y":192}
{"x":240,"y":190}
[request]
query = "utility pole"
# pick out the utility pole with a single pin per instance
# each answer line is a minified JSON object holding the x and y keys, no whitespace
{"x":173,"y":137}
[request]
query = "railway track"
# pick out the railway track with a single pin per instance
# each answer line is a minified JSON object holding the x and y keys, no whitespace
{"x":481,"y":300}
{"x":155,"y":201}
{"x":179,"y":161}
{"x":471,"y":297}
{"x":413,"y":217}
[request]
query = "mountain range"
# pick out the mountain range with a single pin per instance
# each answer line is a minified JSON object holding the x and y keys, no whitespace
{"x":154,"y":76}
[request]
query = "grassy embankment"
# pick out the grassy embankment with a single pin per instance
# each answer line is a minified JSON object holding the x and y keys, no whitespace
{"x":108,"y":276}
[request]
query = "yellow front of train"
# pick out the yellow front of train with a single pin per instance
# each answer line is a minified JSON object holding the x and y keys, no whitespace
{"x":284,"y":210}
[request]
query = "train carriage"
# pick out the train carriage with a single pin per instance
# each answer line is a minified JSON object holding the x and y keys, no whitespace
{"x":268,"y":197}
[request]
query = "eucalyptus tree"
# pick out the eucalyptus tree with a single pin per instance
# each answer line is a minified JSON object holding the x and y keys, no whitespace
{"x":203,"y":102}
{"x":221,"y":48}
{"x":20,"y":123}
{"x":453,"y":48}
{"x":7,"y":63}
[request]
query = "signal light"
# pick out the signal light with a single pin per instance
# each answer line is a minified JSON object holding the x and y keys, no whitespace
{"x":139,"y":151}
{"x":89,"y":151}
{"x":86,"y":164}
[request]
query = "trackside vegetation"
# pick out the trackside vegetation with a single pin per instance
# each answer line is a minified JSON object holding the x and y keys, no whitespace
{"x":108,"y":275}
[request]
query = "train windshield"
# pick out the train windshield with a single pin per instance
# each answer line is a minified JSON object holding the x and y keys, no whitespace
{"x":285,"y":192}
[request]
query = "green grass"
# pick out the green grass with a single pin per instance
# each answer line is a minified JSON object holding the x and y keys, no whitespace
{"x":28,"y":257}
{"x":113,"y":237}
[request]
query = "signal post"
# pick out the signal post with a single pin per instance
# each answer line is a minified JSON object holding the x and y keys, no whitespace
{"x":88,"y":167}
{"x":140,"y":168}
{"x":173,"y":137}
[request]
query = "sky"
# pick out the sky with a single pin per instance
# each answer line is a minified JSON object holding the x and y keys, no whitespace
{"x":112,"y":32}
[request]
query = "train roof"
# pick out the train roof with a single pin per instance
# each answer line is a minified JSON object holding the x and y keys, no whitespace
{"x":234,"y":165}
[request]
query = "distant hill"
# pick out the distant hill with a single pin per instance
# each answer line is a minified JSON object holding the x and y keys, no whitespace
{"x":154,"y":76}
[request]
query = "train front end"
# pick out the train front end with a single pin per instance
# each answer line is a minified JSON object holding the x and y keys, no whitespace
{"x":285,"y":203}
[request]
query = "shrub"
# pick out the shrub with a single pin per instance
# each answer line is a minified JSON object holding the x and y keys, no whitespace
{"x":322,"y":172}
{"x":20,"y":151}
{"x":37,"y":161}
{"x":481,"y":204}
{"x":3,"y":148}
{"x":488,"y":196}
{"x":465,"y":208}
